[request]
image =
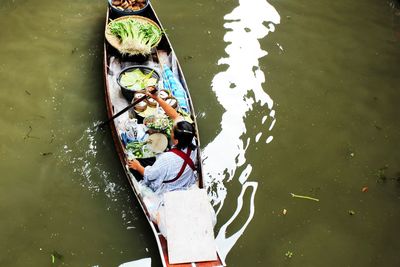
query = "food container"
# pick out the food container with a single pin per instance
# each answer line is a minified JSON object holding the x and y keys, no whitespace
{"x":129,"y":93}
{"x":156,"y":123}
{"x":163,"y":94}
{"x":172,"y":102}
{"x":151,"y":102}
{"x":140,"y":107}
{"x":138,"y":95}
{"x":117,"y":10}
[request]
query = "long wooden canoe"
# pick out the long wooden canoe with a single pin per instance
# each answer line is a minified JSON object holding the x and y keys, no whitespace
{"x":113,"y":64}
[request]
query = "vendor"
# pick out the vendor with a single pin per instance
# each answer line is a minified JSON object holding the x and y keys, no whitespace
{"x":175,"y":169}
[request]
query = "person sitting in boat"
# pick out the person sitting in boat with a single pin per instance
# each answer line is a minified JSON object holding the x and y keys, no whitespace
{"x":175,"y":169}
{"x":172,"y":170}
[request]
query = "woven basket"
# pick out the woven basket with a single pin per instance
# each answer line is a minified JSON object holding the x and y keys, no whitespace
{"x":115,"y":42}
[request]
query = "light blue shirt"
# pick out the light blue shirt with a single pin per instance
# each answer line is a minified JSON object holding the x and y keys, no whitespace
{"x":167,"y":167}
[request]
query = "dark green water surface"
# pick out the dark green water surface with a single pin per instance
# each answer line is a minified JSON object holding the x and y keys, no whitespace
{"x":332,"y":73}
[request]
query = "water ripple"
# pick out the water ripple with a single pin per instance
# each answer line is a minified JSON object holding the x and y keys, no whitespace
{"x":86,"y":158}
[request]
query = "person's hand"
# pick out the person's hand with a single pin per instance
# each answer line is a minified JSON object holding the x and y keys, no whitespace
{"x":134,"y":164}
{"x":152,"y":92}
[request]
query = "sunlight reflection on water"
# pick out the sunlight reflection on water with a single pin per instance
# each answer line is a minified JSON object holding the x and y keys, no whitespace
{"x":245,"y":25}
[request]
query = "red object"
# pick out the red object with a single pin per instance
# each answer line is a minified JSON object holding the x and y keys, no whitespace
{"x":187,"y":161}
{"x":364,"y":189}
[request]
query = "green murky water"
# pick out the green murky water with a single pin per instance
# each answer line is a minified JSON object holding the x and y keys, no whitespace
{"x":332,"y":72}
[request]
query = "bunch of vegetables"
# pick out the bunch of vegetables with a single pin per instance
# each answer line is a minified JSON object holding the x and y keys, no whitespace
{"x":137,"y":148}
{"x":135,"y":80}
{"x":157,"y":122}
{"x":169,"y":128}
{"x":137,"y":36}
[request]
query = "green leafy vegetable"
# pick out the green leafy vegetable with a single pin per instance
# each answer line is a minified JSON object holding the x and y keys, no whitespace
{"x":137,"y":36}
{"x":158,"y":122}
{"x":136,"y":80}
{"x":136,"y":148}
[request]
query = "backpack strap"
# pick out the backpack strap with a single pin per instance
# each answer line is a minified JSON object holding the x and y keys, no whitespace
{"x":186,"y":161}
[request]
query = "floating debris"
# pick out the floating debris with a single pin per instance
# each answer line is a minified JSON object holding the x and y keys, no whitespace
{"x":289,"y":254}
{"x":58,"y":255}
{"x":55,"y":255}
{"x":350,"y":152}
{"x":364,"y":189}
{"x":304,"y":197}
{"x":284,"y":211}
{"x":46,"y":153}
{"x":186,"y":58}
{"x":28,"y":134}
{"x":381,"y":174}
{"x":52,"y":138}
{"x":27,"y":92}
{"x":352,"y":212}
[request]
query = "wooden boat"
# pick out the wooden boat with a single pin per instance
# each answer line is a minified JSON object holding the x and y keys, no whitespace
{"x":113,"y":63}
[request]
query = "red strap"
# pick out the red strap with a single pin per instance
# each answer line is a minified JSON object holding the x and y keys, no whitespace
{"x":184,"y":156}
{"x":186,"y":161}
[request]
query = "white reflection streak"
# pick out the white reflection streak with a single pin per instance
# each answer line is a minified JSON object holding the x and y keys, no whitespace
{"x":224,"y":243}
{"x":243,"y":76}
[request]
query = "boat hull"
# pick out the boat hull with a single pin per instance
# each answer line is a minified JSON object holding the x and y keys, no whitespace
{"x":110,"y":56}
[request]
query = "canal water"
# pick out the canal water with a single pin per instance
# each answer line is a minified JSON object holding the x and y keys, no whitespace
{"x":297,"y":110}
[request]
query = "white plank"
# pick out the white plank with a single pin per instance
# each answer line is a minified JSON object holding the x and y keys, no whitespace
{"x":145,"y":262}
{"x":188,"y":219}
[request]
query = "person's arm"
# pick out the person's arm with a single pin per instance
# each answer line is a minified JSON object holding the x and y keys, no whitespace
{"x":135,"y":164}
{"x":170,"y":111}
{"x":154,"y":175}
